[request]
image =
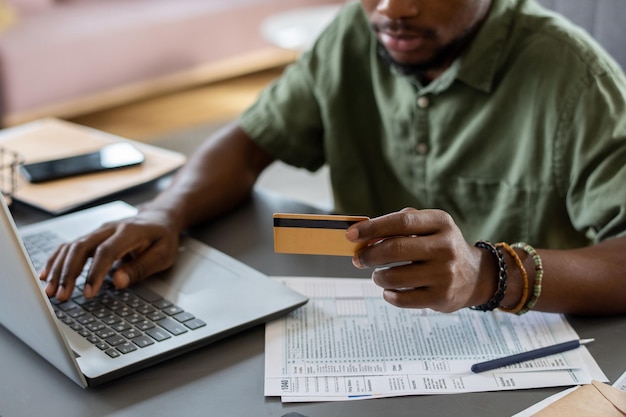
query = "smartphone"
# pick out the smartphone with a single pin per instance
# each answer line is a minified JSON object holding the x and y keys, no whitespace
{"x":113,"y":156}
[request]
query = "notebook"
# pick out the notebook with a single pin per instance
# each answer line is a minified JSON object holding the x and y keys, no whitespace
{"x":205,"y":296}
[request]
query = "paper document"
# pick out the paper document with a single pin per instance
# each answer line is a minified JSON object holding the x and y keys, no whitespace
{"x":620,"y":383}
{"x":348,"y":343}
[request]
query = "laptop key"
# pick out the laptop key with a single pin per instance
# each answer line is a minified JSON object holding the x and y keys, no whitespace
{"x":194,"y":324}
{"x":126,"y":347}
{"x":85,"y":319}
{"x":172,"y":310}
{"x":66,"y":305}
{"x":110,"y":319}
{"x":75,"y":312}
{"x":184,"y":316}
{"x":155,"y":316}
{"x":76,"y":327}
{"x":134,"y":318}
{"x":105,"y":333}
{"x":124,"y":311}
{"x":144,"y":325}
{"x":146,"y":294}
{"x":145,"y":309}
{"x":131,"y":333}
{"x":136,"y":303}
{"x":143,"y":341}
{"x":113,"y":353}
{"x":121,"y":326}
{"x":91,"y":305}
{"x":94,"y":327}
{"x":161,"y":304}
{"x":158,"y":334}
{"x":115,"y":340}
{"x":172,"y":326}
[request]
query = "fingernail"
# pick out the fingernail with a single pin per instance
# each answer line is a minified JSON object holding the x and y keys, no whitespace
{"x":64,"y":293}
{"x":122,"y":280}
{"x":357,"y":262}
{"x":88,"y":290}
{"x":50,"y":290}
{"x":352,"y":233}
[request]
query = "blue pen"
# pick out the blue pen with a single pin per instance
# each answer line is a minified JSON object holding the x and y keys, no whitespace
{"x":531,"y":354}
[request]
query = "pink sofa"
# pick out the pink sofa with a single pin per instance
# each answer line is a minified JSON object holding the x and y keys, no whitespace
{"x":64,"y":57}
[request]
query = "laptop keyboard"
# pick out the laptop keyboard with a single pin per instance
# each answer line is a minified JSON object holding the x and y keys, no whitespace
{"x":117,"y":321}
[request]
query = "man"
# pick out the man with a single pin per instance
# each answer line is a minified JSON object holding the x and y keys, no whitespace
{"x":499,"y":121}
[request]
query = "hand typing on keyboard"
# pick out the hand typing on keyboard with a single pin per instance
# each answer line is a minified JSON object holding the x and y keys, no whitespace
{"x":133,"y":248}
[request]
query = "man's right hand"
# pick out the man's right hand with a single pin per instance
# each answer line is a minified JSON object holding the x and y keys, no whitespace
{"x":135,"y":247}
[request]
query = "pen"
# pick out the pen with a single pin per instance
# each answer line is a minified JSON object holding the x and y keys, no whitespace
{"x":531,"y":354}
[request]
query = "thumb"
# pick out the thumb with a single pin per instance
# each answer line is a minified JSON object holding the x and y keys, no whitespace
{"x":144,"y":264}
{"x":121,"y":279}
{"x":132,"y":272}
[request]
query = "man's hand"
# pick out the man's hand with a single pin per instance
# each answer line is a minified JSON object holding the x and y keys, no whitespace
{"x":421,"y":260}
{"x":136,"y":247}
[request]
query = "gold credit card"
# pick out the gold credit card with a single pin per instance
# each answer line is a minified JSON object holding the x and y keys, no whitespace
{"x":314,"y":234}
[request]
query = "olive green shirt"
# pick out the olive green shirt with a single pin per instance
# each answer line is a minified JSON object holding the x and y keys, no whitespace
{"x":523,"y":138}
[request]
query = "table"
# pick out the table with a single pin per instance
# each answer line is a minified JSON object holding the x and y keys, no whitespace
{"x":226,"y":378}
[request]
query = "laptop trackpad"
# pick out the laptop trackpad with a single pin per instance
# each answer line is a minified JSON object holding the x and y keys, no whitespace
{"x":193,"y":272}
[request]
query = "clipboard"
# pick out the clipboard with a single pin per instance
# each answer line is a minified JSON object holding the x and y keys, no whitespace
{"x":52,"y":138}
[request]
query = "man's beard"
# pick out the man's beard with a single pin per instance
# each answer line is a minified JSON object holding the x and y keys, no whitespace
{"x":442,"y":57}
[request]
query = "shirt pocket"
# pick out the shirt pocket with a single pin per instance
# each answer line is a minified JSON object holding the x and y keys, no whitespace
{"x":488,"y":209}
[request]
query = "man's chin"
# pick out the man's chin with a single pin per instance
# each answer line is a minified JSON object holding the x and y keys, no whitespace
{"x":403,"y":64}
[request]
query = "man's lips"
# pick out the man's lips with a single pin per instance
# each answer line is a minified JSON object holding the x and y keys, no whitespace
{"x":401,"y":43}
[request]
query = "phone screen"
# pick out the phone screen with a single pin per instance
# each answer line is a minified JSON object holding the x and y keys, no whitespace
{"x":114,"y":156}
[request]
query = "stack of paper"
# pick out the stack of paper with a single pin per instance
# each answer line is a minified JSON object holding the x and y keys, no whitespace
{"x":348,"y":343}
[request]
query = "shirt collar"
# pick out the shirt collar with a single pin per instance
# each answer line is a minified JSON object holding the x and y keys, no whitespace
{"x":477,"y":67}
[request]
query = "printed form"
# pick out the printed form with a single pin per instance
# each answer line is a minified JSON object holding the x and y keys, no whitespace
{"x":348,"y":343}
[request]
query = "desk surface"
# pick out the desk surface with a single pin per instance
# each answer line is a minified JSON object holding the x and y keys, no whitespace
{"x":226,"y":378}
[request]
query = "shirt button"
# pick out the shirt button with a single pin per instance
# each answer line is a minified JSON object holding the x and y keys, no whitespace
{"x":422,"y":148}
{"x":423,"y":102}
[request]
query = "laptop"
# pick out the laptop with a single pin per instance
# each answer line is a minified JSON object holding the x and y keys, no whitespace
{"x":207,"y":295}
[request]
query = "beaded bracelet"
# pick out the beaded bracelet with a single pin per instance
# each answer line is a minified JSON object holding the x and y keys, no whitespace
{"x":520,"y":266}
{"x":538,"y":275}
{"x":498,"y":296}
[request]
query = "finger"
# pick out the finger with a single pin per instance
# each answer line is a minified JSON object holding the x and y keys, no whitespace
{"x":108,"y":253}
{"x":66,"y":264}
{"x":410,"y":276}
{"x":133,"y":260}
{"x":408,"y":221}
{"x":64,"y":275}
{"x":420,"y":298}
{"x":405,"y":286}
{"x":408,"y":298}
{"x":391,"y":250}
{"x":424,"y":284}
{"x":143,"y":264}
{"x":75,"y":257}
{"x":52,"y":270}
{"x":406,"y":249}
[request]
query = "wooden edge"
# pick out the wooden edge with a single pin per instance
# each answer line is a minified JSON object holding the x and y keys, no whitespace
{"x":217,"y":71}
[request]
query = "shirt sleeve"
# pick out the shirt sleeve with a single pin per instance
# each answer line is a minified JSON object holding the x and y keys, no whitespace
{"x":593,"y":155}
{"x":285,"y":120}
